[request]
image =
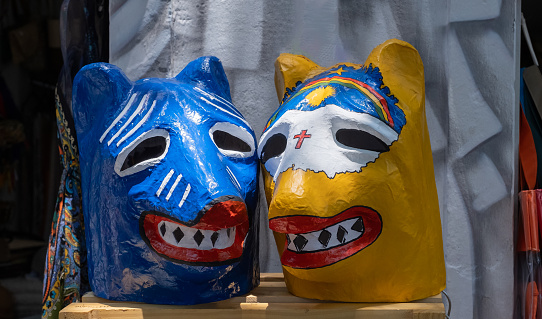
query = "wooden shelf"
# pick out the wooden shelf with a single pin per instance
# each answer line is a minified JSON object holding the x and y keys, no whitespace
{"x":270,"y":300}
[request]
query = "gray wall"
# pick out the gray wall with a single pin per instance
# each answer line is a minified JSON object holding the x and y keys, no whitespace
{"x":470,"y":52}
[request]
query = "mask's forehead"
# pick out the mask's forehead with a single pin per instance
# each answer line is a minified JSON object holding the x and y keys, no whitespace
{"x":179,"y":101}
{"x":169,"y":105}
{"x":359,"y":90}
{"x":216,"y":108}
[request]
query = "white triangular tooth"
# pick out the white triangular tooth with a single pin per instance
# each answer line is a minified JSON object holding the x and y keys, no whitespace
{"x":194,"y":238}
{"x":206,"y":244}
{"x":355,"y":231}
{"x":169,"y":238}
{"x":231,"y":239}
{"x":207,"y":233}
{"x":221,"y":242}
{"x":218,"y":239}
{"x":189,"y":232}
{"x":292,"y":237}
{"x":354,"y":234}
{"x":313,"y":243}
{"x":347,"y":224}
{"x":229,"y":232}
{"x":291,"y":245}
{"x":333,"y":241}
{"x":160,"y":227}
{"x":223,"y":239}
{"x":180,"y":243}
{"x":226,"y":241}
{"x":299,"y":248}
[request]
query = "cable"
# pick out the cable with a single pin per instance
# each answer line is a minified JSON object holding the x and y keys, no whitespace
{"x":528,"y":39}
{"x":449,"y":304}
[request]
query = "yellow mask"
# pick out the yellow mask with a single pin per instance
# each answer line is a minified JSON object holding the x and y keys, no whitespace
{"x":349,"y":179}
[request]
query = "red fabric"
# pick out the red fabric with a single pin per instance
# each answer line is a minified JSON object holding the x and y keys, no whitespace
{"x":529,"y":220}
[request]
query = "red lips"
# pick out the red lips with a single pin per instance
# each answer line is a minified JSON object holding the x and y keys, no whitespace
{"x":311,"y":226}
{"x":225,"y":225}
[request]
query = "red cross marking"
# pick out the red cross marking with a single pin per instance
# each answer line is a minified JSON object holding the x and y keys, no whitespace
{"x":301,"y":137}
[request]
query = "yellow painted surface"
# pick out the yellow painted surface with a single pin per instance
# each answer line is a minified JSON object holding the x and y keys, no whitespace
{"x":406,"y":261}
{"x":319,"y":94}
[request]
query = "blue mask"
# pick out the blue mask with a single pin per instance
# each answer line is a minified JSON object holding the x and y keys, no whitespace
{"x":169,"y":180}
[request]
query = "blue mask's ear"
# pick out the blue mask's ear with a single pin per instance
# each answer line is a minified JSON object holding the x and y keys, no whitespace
{"x":208,"y":74}
{"x":99,"y":89}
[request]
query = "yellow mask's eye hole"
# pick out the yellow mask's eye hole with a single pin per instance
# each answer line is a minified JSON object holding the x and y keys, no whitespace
{"x":226,"y":141}
{"x":274,"y":146}
{"x":361,"y":140}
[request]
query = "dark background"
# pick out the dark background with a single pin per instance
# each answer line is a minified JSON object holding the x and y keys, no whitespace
{"x":30,"y":62}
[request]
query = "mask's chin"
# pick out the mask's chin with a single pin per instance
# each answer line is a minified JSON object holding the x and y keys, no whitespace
{"x":314,"y":242}
{"x":218,"y":238}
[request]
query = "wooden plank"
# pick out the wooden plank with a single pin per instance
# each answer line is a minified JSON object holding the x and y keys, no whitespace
{"x":272,"y":276}
{"x":121,"y":310}
{"x":348,"y":310}
{"x":270,"y":300}
{"x":260,"y":295}
{"x":272,"y":289}
{"x":257,"y":310}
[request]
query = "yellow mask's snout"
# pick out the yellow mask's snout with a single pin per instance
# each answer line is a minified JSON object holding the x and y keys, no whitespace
{"x":313,"y":230}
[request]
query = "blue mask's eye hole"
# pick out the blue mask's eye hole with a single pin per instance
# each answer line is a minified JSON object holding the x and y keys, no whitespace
{"x":226,"y":141}
{"x":233,"y":140}
{"x":148,"y":149}
{"x":273,"y":147}
{"x":361,"y":140}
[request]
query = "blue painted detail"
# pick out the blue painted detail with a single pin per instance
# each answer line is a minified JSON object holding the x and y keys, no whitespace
{"x":113,"y":117}
{"x":347,"y":98}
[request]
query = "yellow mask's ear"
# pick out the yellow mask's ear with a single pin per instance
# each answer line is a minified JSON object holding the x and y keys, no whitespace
{"x":402,"y":70}
{"x":289,"y":69}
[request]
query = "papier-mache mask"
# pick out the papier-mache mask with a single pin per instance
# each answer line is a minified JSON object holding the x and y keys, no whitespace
{"x":169,"y":178}
{"x":349,"y":179}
